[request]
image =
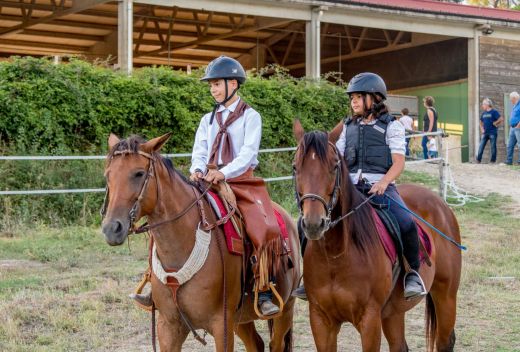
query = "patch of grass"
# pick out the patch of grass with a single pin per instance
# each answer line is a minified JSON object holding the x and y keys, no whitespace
{"x":75,"y":298}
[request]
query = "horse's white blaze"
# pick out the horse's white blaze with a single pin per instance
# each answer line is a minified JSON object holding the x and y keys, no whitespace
{"x":313,"y":156}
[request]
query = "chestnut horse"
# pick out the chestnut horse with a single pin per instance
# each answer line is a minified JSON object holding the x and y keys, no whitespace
{"x":141,"y":183}
{"x":347,"y":275}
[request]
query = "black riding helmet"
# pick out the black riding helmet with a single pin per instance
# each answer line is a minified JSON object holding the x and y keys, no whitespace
{"x":367,"y":82}
{"x":224,"y":67}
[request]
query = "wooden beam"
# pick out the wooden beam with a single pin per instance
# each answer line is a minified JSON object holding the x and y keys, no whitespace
{"x":360,"y":39}
{"x":357,"y":54}
{"x":285,"y":32}
{"x":289,"y":47}
{"x":61,"y":35}
{"x":77,"y":6}
{"x":60,"y":47}
{"x":210,"y":38}
{"x":64,"y":23}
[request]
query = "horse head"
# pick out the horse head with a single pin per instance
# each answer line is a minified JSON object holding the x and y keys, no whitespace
{"x":131,"y":194}
{"x":317,"y":172}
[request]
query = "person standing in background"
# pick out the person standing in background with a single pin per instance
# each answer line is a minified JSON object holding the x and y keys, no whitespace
{"x":489,"y":121}
{"x":407,"y":122}
{"x":430,"y":122}
{"x":514,"y":123}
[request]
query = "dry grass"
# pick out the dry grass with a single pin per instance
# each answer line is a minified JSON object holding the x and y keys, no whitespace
{"x":65,"y":290}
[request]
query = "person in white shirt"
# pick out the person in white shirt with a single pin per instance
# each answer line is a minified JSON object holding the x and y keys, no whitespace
{"x":226,"y":149}
{"x":407,"y":122}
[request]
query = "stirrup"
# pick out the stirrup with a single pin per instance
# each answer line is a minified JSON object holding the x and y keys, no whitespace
{"x":421,"y":283}
{"x":139,"y":289}
{"x":278,"y":298}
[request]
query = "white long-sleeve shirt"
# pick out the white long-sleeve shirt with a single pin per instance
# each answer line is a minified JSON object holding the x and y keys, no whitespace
{"x":394,"y":139}
{"x":245,"y":134}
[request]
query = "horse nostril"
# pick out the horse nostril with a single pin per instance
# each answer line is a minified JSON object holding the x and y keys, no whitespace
{"x":303,"y":223}
{"x":322,"y":224}
{"x":118,"y":226}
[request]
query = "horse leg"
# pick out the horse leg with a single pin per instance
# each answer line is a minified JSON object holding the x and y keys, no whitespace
{"x":219,"y":330}
{"x":324,"y":330}
{"x":443,"y":304}
{"x":250,"y":337}
{"x":281,"y":329}
{"x":393,"y":328}
{"x":370,"y":329}
{"x":171,"y":335}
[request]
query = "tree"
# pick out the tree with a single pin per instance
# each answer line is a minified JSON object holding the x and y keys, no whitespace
{"x":502,"y":4}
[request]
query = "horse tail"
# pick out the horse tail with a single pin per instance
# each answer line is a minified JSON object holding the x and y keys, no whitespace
{"x":431,"y":323}
{"x":288,"y":339}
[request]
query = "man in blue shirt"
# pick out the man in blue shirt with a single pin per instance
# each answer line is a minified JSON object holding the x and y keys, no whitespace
{"x":489,"y":120}
{"x":514,"y":123}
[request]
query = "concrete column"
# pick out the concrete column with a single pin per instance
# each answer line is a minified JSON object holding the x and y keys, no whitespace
{"x":125,"y":30}
{"x":312,"y":44}
{"x":473,"y":95}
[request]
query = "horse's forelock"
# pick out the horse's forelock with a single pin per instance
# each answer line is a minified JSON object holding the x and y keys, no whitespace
{"x":319,"y":142}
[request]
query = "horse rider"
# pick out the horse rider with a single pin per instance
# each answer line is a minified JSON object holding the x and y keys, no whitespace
{"x":373,"y":145}
{"x":226,"y":149}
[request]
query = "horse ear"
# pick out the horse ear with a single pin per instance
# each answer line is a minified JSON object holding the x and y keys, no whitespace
{"x":298,"y":130}
{"x":154,"y":145}
{"x":112,"y":141}
{"x":336,"y":132}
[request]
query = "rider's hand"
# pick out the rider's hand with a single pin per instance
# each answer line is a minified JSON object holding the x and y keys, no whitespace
{"x":197,"y":175}
{"x":379,"y":187}
{"x":214,"y":176}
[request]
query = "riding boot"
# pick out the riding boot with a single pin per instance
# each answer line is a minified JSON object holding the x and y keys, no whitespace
{"x":266,"y":305}
{"x":142,"y":300}
{"x":300,"y":293}
{"x":413,"y":283}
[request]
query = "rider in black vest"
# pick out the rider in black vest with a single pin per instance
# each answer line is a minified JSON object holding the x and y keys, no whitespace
{"x":373,"y":145}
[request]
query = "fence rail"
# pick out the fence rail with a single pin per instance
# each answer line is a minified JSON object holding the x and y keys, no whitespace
{"x":439,"y":160}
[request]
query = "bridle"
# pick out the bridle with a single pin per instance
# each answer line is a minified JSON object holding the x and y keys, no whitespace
{"x":329,"y":224}
{"x":312,"y":196}
{"x":132,"y":214}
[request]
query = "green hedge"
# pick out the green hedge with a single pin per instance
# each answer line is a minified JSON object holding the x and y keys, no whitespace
{"x":56,"y":109}
{"x":71,"y":109}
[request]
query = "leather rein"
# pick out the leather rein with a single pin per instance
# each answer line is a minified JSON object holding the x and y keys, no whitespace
{"x":133,"y":211}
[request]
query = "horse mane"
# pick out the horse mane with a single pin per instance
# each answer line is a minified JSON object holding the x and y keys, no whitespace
{"x":133,"y":143}
{"x":360,"y":224}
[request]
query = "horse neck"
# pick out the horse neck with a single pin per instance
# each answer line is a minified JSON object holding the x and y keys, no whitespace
{"x":174,"y":240}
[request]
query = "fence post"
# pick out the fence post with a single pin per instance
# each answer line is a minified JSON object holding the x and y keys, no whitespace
{"x":442,"y":163}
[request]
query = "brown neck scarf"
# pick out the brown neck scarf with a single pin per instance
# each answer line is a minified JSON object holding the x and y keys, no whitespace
{"x":223,"y":137}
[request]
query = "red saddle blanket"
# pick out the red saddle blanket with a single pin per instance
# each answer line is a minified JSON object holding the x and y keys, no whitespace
{"x":388,"y":242}
{"x":233,"y":239}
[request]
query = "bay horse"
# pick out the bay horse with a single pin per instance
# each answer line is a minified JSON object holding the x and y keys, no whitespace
{"x":141,"y":183}
{"x":347,"y":275}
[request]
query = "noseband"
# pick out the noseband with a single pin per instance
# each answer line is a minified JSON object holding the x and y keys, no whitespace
{"x":333,"y":199}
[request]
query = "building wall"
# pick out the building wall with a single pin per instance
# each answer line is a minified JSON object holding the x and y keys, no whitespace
{"x":434,"y":63}
{"x":499,"y":76}
{"x":451,"y":103}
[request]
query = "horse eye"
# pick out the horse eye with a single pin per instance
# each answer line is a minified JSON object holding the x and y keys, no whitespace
{"x":139,"y":174}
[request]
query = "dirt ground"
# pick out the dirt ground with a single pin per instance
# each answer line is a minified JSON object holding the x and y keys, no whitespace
{"x":482,"y":179}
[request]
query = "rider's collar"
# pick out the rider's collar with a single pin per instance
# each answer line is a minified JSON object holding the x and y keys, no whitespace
{"x":231,"y":108}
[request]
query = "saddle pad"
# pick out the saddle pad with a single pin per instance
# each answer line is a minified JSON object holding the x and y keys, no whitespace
{"x":233,"y":239}
{"x":389,"y":245}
